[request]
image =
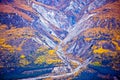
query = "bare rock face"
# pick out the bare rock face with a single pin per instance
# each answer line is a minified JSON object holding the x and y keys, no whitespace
{"x":51,"y":38}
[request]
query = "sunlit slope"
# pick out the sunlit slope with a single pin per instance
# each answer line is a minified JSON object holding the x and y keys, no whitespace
{"x":102,"y":39}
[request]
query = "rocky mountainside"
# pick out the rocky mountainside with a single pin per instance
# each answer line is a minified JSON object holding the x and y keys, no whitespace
{"x":57,"y":39}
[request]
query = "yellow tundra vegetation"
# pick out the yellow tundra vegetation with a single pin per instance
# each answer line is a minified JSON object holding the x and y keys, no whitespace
{"x":97,"y":49}
{"x":25,"y":32}
{"x":47,"y":59}
{"x":12,"y":34}
{"x":15,"y":33}
{"x":24,"y":62}
{"x":5,"y":46}
{"x":88,"y":39}
{"x":42,"y":49}
{"x":96,"y":63}
{"x":40,"y":60}
{"x":113,"y":54}
{"x":100,"y":51}
{"x":51,"y":52}
{"x":56,"y":39}
{"x":2,"y":41}
{"x":8,"y":47}
{"x":73,"y":64}
{"x":50,"y":57}
{"x":94,"y":47}
{"x":115,"y":33}
{"x":22,"y":56}
{"x":51,"y":61}
{"x":114,"y":36}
